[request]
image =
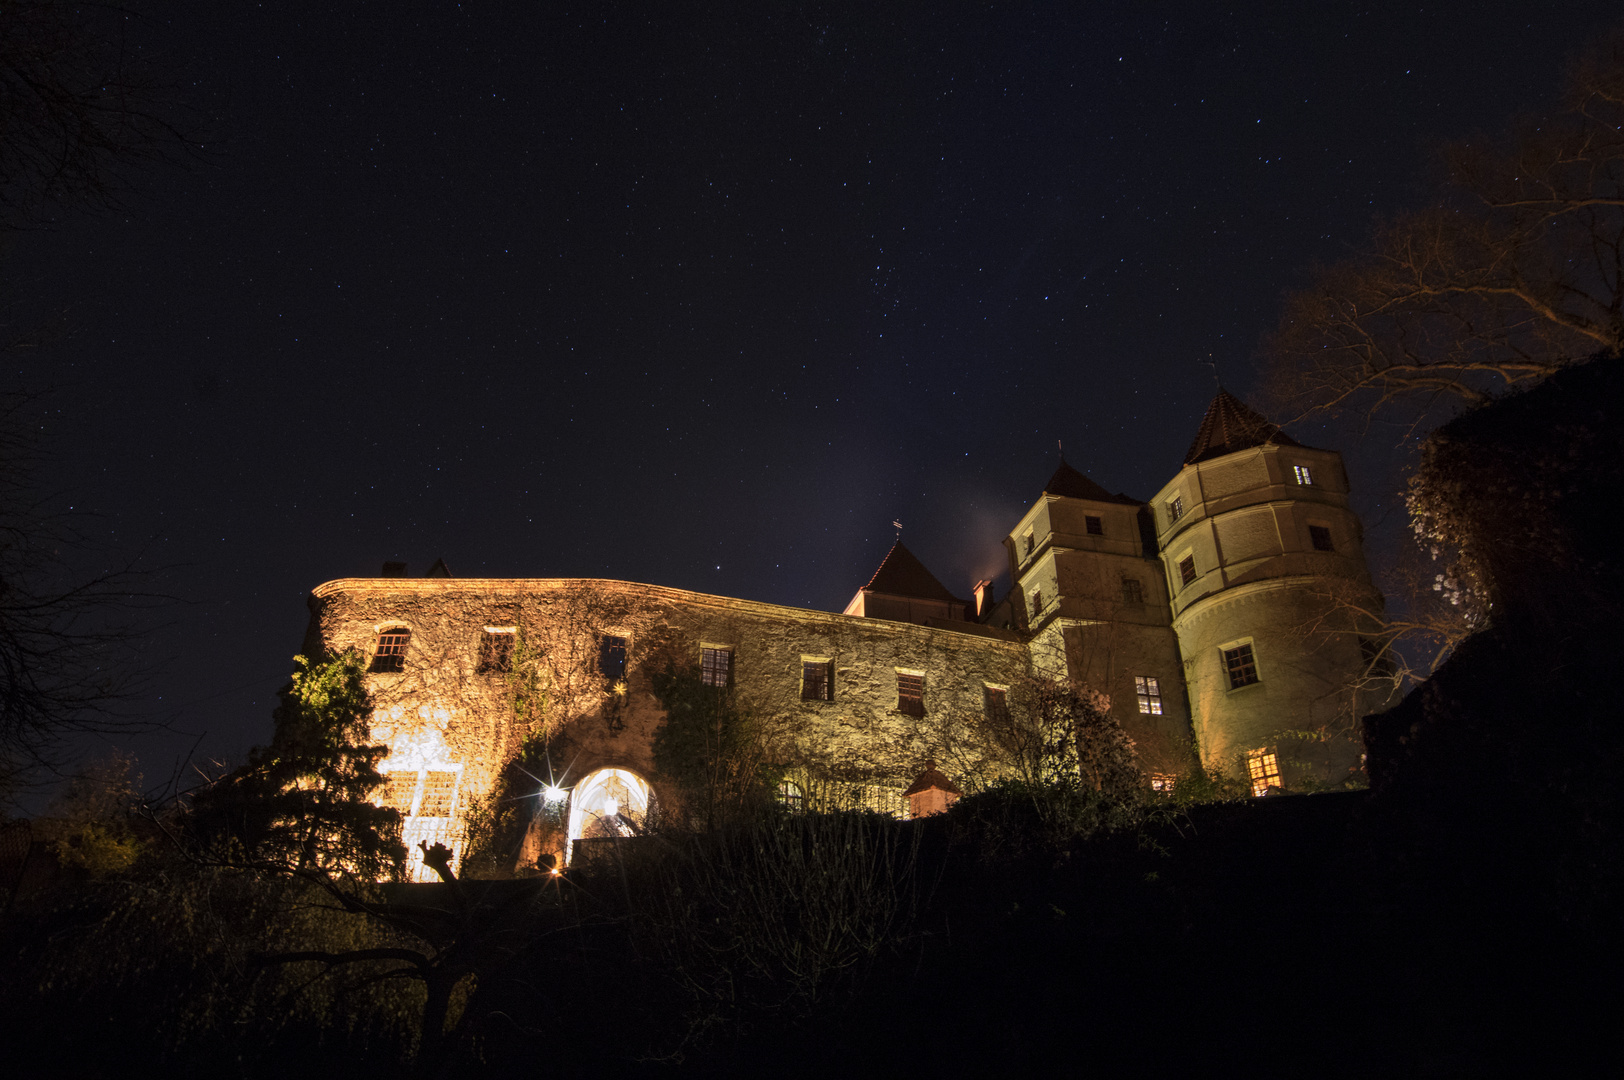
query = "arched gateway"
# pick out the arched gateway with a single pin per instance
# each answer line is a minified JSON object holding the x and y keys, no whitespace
{"x":606,"y":804}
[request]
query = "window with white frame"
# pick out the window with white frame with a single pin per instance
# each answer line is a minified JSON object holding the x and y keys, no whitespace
{"x":1302,"y":475}
{"x":1149,"y":692}
{"x":1240,"y":665}
{"x":391,"y":654}
{"x":1175,"y":508}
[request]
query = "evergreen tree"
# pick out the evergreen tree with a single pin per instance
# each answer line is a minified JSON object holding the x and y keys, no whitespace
{"x":305,"y":801}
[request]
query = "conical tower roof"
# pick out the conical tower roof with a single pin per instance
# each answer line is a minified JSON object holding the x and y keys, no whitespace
{"x":1071,"y":484}
{"x":902,"y":574}
{"x":1231,"y":425}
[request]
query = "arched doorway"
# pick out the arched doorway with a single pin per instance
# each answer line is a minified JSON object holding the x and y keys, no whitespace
{"x":606,"y":804}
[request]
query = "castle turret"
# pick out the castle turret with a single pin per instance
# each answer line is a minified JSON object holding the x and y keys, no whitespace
{"x":1095,"y":606}
{"x":1266,"y":566}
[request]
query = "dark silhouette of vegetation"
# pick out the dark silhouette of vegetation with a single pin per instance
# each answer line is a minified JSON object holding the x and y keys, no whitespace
{"x":305,"y":801}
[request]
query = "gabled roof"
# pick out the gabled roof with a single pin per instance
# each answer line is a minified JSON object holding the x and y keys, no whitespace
{"x":930,"y":778}
{"x":1071,"y":484}
{"x":1231,"y":425}
{"x":902,"y":574}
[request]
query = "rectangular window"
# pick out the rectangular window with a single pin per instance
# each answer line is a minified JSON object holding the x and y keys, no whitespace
{"x":1304,"y":477}
{"x":1187,"y":569}
{"x":1133,"y":593}
{"x":817,"y":680}
{"x":716,"y":667}
{"x":1028,"y":541}
{"x":1175,"y":508}
{"x":439,"y":793}
{"x":1240,"y":665}
{"x":910,"y":694}
{"x":1037,"y":602}
{"x":997,"y":699}
{"x":1150,"y":695}
{"x":400,"y":791}
{"x":391,"y":654}
{"x":612,"y":656}
{"x":1163,"y":782}
{"x":1321,"y":536}
{"x":1263,"y":767}
{"x":1094,"y":525}
{"x":496,"y":652}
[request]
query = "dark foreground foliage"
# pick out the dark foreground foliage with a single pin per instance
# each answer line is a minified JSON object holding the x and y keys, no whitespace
{"x":1298,"y":934}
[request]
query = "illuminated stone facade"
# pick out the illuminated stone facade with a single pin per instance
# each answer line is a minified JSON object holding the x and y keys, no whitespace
{"x":1210,"y":612}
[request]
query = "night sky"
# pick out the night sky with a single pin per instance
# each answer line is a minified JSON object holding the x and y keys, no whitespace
{"x":699,"y":300}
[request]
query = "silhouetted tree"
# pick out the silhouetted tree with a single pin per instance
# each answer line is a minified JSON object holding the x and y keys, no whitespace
{"x":1514,"y":272}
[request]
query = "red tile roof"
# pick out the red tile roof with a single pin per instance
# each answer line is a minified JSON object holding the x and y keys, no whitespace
{"x":902,"y":574}
{"x":1231,"y":425}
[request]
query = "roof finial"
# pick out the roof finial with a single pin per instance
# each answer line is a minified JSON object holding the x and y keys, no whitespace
{"x":897,"y":524}
{"x":1062,"y":448}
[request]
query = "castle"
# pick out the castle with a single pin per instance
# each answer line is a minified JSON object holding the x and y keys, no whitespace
{"x":1221,"y":616}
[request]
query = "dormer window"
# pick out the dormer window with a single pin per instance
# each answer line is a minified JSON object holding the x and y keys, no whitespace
{"x":1028,"y":542}
{"x":1094,"y":525}
{"x":391,"y":654}
{"x":1303,"y":476}
{"x":1175,"y":508}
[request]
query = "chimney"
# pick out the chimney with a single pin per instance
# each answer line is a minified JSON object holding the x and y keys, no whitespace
{"x":394,"y":569}
{"x":983,"y":599}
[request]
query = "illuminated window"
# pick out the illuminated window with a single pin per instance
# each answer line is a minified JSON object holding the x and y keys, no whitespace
{"x":716,"y":667}
{"x":1175,"y":508}
{"x":1304,"y":477}
{"x":997,"y":700}
{"x":1163,"y":782}
{"x":612,"y":656}
{"x":1264,"y":769}
{"x":400,"y":791}
{"x":1150,"y":695}
{"x":439,"y":793}
{"x":1132,"y":592}
{"x":496,"y":652}
{"x":910,"y":694}
{"x":391,"y":654}
{"x":1240,"y":665}
{"x":790,"y":796}
{"x":1187,"y":569}
{"x":1094,"y":525}
{"x":1321,"y":537}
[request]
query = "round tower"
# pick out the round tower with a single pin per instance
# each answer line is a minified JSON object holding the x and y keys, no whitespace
{"x":1272,"y":603}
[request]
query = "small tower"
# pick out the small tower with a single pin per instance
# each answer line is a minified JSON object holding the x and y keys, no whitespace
{"x":1092,"y":597}
{"x":1264,"y":558}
